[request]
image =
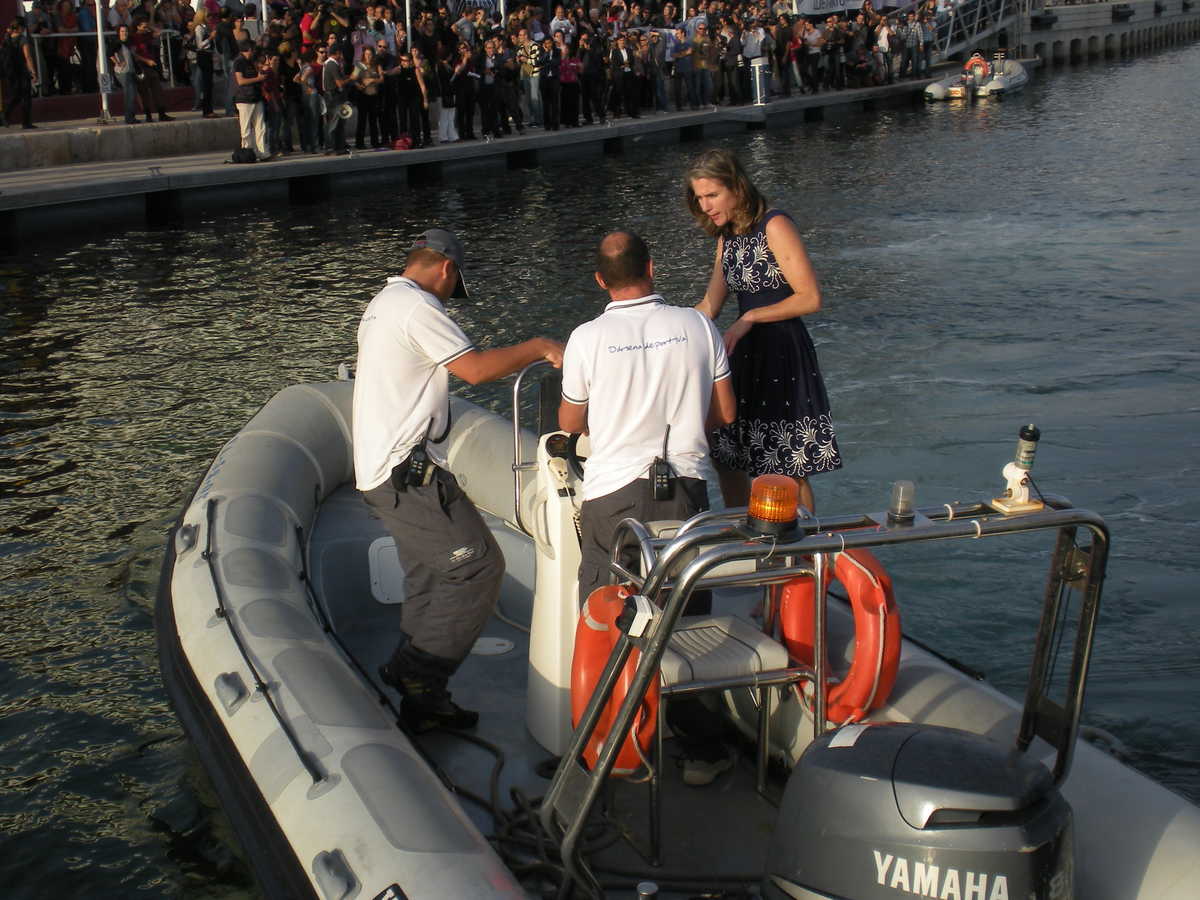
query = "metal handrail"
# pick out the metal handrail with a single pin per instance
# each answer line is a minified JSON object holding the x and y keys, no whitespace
{"x":164,"y":51}
{"x":972,"y":21}
{"x":520,"y":465}
{"x":577,"y":790}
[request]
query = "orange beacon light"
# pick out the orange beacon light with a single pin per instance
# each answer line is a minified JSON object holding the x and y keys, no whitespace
{"x":773,"y":503}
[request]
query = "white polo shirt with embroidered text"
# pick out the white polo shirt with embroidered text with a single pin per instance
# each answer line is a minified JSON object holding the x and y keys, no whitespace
{"x":640,"y":366}
{"x":401,"y":383}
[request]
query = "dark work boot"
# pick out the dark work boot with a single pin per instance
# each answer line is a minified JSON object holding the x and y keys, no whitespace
{"x":421,"y":678}
{"x":427,"y":711}
{"x":389,"y":676}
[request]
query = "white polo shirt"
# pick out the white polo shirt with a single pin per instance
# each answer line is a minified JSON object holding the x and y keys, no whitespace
{"x":640,"y":366}
{"x":405,"y":341}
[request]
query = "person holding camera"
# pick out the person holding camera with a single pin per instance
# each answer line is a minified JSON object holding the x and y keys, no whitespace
{"x":463,"y":83}
{"x":407,"y":349}
{"x":509,"y":86}
{"x":489,"y":91}
{"x":731,"y":60}
{"x":249,"y":78}
{"x":626,"y":70}
{"x":592,"y":78}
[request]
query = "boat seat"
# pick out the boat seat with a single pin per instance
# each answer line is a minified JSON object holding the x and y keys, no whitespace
{"x":712,"y":647}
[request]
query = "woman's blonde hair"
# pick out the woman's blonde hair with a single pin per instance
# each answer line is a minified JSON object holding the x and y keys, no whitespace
{"x":723,"y":167}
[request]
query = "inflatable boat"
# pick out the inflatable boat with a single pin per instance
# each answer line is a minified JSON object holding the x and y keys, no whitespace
{"x":958,"y":86}
{"x":1008,"y":76}
{"x":864,"y":765}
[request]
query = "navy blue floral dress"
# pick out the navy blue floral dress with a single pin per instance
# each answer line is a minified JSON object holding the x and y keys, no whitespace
{"x":783,"y":425}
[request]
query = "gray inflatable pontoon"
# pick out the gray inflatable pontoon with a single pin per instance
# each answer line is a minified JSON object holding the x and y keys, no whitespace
{"x":281,"y":595}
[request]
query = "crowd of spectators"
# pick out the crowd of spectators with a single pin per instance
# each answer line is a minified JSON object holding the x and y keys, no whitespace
{"x":470,"y":73}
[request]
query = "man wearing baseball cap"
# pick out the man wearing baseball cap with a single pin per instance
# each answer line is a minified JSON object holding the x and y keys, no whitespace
{"x":407,"y":348}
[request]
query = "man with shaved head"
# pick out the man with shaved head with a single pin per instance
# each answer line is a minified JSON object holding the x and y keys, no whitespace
{"x":647,"y":381}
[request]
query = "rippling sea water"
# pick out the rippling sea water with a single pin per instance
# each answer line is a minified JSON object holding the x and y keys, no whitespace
{"x":1031,"y":260}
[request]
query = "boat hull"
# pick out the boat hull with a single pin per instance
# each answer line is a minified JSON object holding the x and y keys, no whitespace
{"x":267,"y":573}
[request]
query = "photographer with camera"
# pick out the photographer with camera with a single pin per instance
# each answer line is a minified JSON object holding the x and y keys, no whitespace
{"x":464,"y":81}
{"x":592,"y":79}
{"x":407,"y":349}
{"x":509,"y":87}
{"x":730,"y":45}
{"x":249,"y":77}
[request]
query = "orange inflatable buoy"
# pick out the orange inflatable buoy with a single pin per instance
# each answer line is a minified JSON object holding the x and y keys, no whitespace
{"x":876,"y":633}
{"x":978,"y":62}
{"x":595,"y":636}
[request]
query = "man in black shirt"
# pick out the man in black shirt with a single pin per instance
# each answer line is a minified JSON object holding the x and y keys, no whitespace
{"x":592,"y":79}
{"x":226,"y":46}
{"x":19,"y":72}
{"x":248,"y":97}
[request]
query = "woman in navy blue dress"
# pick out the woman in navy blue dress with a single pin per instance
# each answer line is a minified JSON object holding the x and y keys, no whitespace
{"x":783,"y":425}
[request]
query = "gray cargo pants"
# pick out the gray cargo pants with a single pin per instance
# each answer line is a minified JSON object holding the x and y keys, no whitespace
{"x":598,"y":520}
{"x":452,"y":564}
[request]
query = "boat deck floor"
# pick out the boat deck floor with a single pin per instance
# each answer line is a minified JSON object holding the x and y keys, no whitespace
{"x":721,"y":829}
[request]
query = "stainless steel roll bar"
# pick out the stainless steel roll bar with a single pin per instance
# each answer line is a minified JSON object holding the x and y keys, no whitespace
{"x":720,"y":537}
{"x":520,"y":465}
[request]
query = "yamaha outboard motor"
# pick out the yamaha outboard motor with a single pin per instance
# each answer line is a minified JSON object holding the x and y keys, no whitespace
{"x":895,"y":810}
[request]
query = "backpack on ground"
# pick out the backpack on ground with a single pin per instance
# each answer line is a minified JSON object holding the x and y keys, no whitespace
{"x":244,"y":155}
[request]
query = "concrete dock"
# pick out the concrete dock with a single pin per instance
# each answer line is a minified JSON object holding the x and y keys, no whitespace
{"x":161,"y":187}
{"x":69,"y":175}
{"x":1061,"y":32}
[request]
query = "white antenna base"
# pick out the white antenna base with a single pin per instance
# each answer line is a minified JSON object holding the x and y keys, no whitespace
{"x":1010,"y":506}
{"x":1016,"y":499}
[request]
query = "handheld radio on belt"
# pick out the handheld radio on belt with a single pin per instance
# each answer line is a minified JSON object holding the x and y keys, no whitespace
{"x":418,"y":469}
{"x":662,"y":478}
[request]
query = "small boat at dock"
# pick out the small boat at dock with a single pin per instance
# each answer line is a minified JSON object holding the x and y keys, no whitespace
{"x":958,"y":86}
{"x":1008,"y":76}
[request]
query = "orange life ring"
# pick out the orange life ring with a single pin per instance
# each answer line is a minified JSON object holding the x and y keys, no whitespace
{"x":876,"y":633}
{"x":596,"y":634}
{"x":978,"y":62}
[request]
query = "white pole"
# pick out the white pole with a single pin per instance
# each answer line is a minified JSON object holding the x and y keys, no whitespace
{"x":408,"y":24}
{"x":503,"y":14}
{"x":105,"y":78}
